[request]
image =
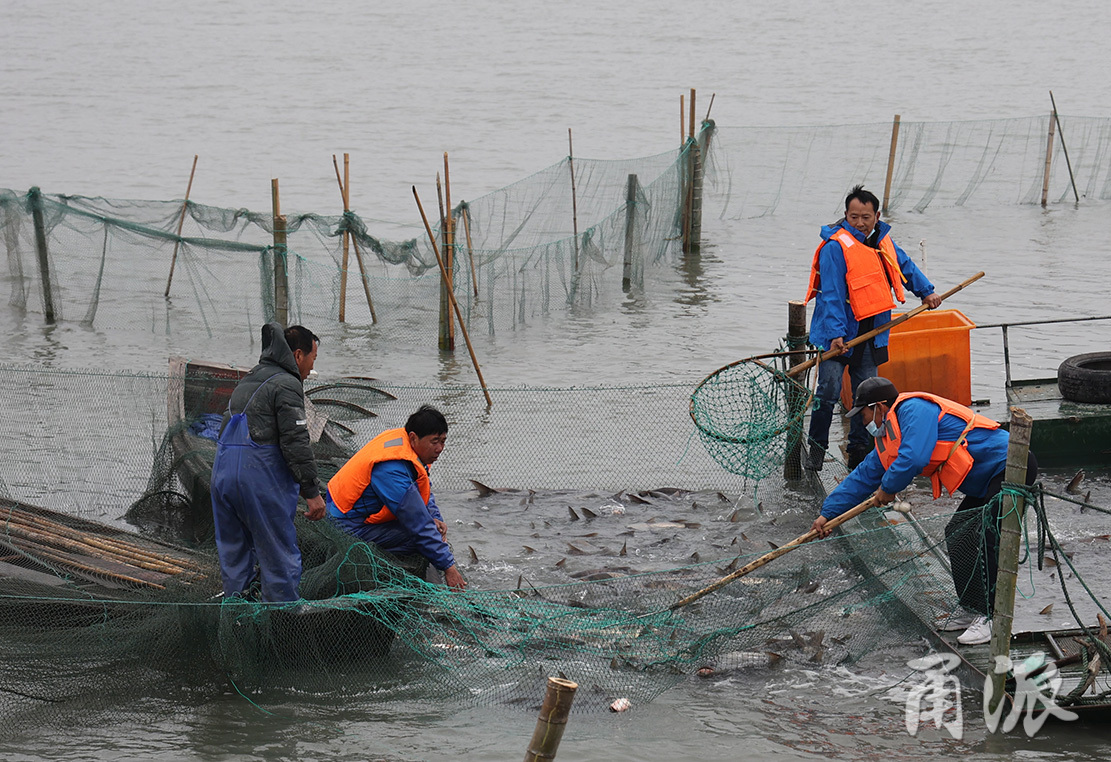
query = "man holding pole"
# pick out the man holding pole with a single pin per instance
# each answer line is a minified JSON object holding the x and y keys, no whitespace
{"x":855,"y":271}
{"x":383,"y":496}
{"x":957,"y":448}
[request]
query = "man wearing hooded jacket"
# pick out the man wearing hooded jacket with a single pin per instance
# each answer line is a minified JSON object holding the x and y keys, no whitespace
{"x":855,"y":270}
{"x":264,"y":460}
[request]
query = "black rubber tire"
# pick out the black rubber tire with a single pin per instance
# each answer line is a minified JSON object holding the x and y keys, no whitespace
{"x":1086,"y":378}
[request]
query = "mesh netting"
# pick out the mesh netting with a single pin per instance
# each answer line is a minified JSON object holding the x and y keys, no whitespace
{"x":762,"y":171}
{"x":750,"y":415}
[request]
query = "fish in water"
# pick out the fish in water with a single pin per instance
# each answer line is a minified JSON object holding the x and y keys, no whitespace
{"x":474,"y":555}
{"x":738,"y":660}
{"x":588,"y":513}
{"x":574,"y":516}
{"x":621,"y":705}
{"x":624,"y":548}
{"x":1074,"y":484}
{"x":1047,"y":610}
{"x":809,"y":587}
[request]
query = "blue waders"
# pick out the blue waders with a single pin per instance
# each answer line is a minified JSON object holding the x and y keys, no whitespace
{"x":254,"y":501}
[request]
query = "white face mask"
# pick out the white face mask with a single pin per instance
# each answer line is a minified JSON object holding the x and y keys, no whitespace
{"x":875,"y":428}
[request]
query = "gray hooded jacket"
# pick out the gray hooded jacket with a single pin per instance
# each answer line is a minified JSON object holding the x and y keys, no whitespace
{"x":276,"y":415}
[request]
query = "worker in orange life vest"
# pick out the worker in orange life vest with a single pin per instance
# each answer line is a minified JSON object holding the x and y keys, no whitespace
{"x":383,"y":495}
{"x":958,"y":449}
{"x":856,"y":277}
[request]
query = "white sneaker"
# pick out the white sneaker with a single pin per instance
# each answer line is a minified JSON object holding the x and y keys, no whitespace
{"x":959,"y":619}
{"x":977,"y":633}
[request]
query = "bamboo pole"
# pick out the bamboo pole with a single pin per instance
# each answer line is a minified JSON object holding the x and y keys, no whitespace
{"x":552,"y":720}
{"x":710,"y":107}
{"x":1010,"y":542}
{"x":885,"y":327}
{"x":695,"y":225}
{"x":470,"y":249}
{"x":446,"y":340}
{"x":281,"y":273}
{"x":455,"y":304}
{"x":769,"y":557}
{"x":630,"y":233}
{"x":44,"y":259}
{"x":690,"y":132}
{"x":181,"y":223}
{"x":682,"y":121}
{"x":1048,"y":162}
{"x":1064,"y":148}
{"x":796,"y":337}
{"x":449,"y":241}
{"x":574,"y":201}
{"x":891,"y":162}
{"x":346,"y":240}
{"x":354,"y":241}
{"x":45,"y":524}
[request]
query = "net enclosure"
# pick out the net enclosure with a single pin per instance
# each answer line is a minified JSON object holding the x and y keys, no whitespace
{"x":101,"y":622}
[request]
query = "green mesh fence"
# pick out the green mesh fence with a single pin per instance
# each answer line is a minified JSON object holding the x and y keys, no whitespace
{"x":107,"y":263}
{"x":96,"y":617}
{"x":762,"y":171}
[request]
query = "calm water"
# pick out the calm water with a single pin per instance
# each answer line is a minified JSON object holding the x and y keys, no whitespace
{"x":114,"y":100}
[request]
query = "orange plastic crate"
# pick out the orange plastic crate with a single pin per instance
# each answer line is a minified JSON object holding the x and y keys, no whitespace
{"x":928,"y":353}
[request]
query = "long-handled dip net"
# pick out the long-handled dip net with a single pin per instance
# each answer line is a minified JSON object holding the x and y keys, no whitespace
{"x":750,"y":413}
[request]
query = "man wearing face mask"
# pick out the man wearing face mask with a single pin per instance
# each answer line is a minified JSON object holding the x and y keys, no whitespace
{"x":958,"y":449}
{"x":856,"y":277}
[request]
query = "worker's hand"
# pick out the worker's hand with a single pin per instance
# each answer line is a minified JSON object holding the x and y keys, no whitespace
{"x":819,"y":526}
{"x":454,"y":579}
{"x":883,"y":498}
{"x":316,"y":508}
{"x":838,"y":346}
{"x":933,"y":301}
{"x":442,"y":527}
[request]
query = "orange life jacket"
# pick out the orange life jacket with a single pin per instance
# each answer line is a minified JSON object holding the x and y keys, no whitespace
{"x":870,"y":274}
{"x":351,"y":481}
{"x":950,"y":462}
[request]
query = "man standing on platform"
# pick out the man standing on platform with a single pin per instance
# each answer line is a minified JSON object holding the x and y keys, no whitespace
{"x":264,"y":459}
{"x":855,"y":271}
{"x":383,"y":496}
{"x":958,"y":449}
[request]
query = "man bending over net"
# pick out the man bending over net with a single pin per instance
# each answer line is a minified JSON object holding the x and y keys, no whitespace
{"x":959,"y":449}
{"x":383,"y":496}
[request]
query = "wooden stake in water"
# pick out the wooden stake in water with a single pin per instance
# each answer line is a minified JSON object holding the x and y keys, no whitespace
{"x":346,"y":240}
{"x":1048,"y":160}
{"x":455,"y":304}
{"x":446,"y":340}
{"x":552,"y":720}
{"x":890,"y":163}
{"x":1010,"y":543}
{"x":466,"y":211}
{"x":574,"y":201}
{"x":345,"y":193}
{"x":1064,"y":148}
{"x":44,"y":259}
{"x":180,"y":224}
{"x":281,"y":273}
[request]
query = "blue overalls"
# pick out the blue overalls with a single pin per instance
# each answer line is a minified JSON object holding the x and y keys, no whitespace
{"x":254,"y":502}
